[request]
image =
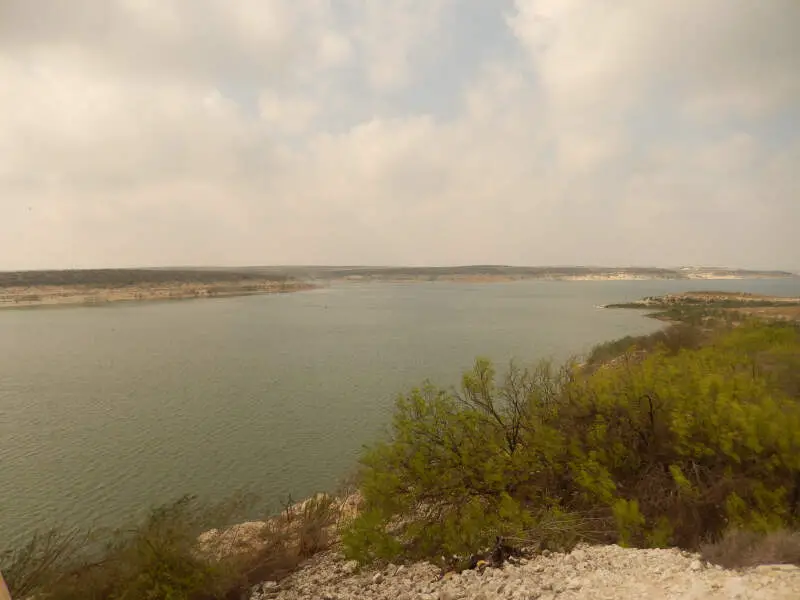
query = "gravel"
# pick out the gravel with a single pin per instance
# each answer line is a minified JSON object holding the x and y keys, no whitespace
{"x":599,"y":572}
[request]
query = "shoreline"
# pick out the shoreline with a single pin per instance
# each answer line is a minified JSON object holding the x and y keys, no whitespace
{"x":58,"y":296}
{"x":488,"y":279}
{"x":668,"y":306}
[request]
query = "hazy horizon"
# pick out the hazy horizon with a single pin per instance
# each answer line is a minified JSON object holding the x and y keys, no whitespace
{"x":410,"y":266}
{"x":409,"y":133}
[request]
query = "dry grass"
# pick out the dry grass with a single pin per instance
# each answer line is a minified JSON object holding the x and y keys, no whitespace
{"x":740,"y":549}
{"x":563,"y":531}
{"x":173,"y":554}
{"x":37,"y":563}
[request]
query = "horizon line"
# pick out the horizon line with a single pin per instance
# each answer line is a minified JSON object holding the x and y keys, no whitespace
{"x":407,"y":266}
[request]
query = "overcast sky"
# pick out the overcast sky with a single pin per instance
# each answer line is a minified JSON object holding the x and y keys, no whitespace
{"x":424,"y":132}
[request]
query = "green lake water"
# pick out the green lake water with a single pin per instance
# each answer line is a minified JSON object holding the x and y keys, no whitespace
{"x":107,"y":411}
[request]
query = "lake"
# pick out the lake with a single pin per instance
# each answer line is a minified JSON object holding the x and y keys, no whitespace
{"x":106,"y":411}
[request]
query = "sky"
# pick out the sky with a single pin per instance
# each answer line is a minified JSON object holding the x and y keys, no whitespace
{"x":399,"y":132}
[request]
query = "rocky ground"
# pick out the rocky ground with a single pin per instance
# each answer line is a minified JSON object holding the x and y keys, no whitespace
{"x":712,"y":299}
{"x":602,"y":572}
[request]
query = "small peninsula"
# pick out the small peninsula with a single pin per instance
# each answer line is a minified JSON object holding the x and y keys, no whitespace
{"x":773,"y":307}
{"x":96,"y":287}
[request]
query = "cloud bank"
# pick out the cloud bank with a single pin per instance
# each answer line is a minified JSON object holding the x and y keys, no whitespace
{"x":417,"y":132}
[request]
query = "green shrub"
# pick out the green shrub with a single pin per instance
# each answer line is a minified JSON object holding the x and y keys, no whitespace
{"x":452,"y":469}
{"x":367,"y":540}
{"x":629,"y":520}
{"x":161,"y":559}
{"x":673,"y":339}
{"x":686,"y":441}
{"x":39,"y":563}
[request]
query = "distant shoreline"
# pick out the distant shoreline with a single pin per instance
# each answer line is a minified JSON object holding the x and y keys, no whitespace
{"x":61,"y":298}
{"x":516,"y":278}
{"x":99,"y":287}
{"x":711,"y":298}
{"x":764,"y":306}
{"x":51,"y":289}
{"x":505,"y":273}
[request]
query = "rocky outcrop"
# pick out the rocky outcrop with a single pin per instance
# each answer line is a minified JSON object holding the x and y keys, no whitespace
{"x":319,"y":517}
{"x":601,"y":572}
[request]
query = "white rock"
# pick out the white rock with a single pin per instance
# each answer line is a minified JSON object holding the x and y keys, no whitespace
{"x":576,"y":556}
{"x":777,"y":568}
{"x":574,"y":584}
{"x":350,"y":567}
{"x":601,"y":572}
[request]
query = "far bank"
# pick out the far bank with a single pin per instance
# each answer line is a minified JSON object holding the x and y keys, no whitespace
{"x":33,"y":289}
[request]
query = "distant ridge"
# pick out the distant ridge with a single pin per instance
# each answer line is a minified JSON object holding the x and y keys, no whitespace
{"x":376,"y":273}
{"x":520,"y":272}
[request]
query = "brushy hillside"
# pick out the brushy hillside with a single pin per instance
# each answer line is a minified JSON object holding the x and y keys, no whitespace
{"x":675,"y":446}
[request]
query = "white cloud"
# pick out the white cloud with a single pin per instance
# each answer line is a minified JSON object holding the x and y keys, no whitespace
{"x":393,"y":35}
{"x":207,"y":132}
{"x":334,"y":49}
{"x":613,"y":55}
{"x":292,"y":114}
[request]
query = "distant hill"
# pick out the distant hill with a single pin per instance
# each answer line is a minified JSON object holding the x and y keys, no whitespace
{"x":207,"y":275}
{"x":128,"y":277}
{"x":513,"y":272}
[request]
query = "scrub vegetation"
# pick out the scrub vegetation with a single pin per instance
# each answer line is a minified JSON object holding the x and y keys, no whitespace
{"x":688,"y":437}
